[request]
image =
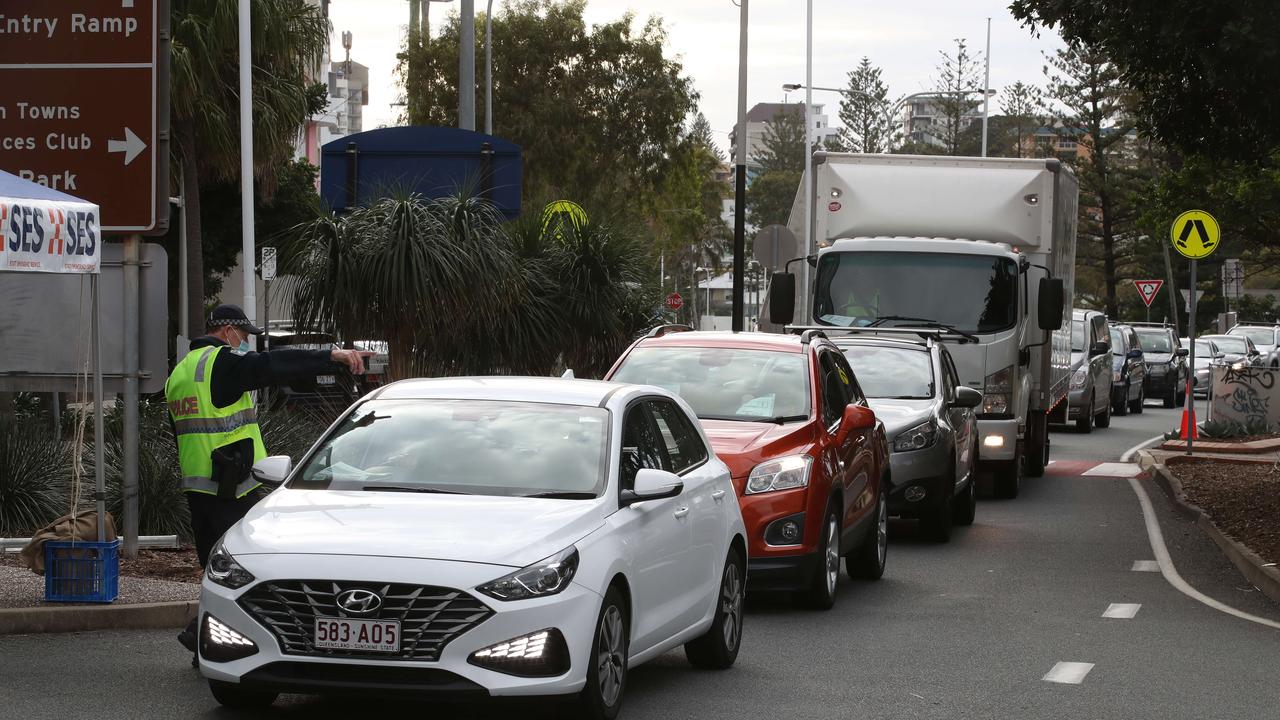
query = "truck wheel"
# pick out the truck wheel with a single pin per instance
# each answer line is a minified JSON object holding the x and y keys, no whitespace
{"x":1121,"y":408}
{"x":1135,"y":407}
{"x":1084,"y":423}
{"x":1103,"y":420}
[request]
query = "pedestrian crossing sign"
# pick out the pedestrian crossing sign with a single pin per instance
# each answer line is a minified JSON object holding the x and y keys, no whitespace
{"x":1195,"y":234}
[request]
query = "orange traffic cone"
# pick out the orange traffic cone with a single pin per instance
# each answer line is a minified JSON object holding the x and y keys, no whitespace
{"x":1189,"y":424}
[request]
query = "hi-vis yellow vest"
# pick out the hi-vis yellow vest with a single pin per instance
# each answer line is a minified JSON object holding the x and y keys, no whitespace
{"x":202,"y":428}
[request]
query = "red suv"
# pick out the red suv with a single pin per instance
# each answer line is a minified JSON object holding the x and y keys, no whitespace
{"x":808,"y":457}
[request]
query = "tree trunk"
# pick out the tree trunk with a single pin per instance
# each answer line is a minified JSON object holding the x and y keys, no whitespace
{"x":195,"y":245}
{"x":400,"y":353}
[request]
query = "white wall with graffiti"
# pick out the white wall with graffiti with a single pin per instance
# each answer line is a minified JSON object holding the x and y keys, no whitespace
{"x":1249,"y":396}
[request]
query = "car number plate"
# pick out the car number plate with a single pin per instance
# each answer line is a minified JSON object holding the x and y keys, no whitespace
{"x":350,"y":634}
{"x":325,"y":380}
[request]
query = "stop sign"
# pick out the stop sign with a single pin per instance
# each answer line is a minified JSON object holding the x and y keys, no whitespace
{"x":674,"y":301}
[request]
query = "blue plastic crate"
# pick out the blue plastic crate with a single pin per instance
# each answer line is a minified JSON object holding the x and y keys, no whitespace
{"x":84,"y":572}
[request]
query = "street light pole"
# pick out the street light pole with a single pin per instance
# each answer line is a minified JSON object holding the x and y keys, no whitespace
{"x":740,"y":174}
{"x":247,"y":252}
{"x":986,"y":96}
{"x":488,"y":68}
{"x":808,"y":160}
{"x":467,"y":66}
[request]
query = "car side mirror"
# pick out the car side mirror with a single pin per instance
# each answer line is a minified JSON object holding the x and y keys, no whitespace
{"x":856,"y":417}
{"x":652,"y":484}
{"x":1099,"y":348}
{"x":1182,"y":352}
{"x":967,"y":397}
{"x":1052,"y":300}
{"x":1135,"y":354}
{"x":272,"y":470}
{"x":782,"y":298}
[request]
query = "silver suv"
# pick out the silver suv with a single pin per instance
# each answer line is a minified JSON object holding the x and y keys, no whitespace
{"x":1267,"y":340}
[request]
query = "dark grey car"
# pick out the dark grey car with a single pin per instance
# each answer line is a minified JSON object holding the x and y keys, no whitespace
{"x":1089,"y":397}
{"x":928,"y":418}
{"x":1128,"y":371}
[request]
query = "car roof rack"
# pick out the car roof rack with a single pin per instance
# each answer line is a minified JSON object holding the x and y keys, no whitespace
{"x":1255,"y":323}
{"x":662,"y":330}
{"x":809,"y":334}
{"x":1148,"y":324}
{"x":926,"y":334}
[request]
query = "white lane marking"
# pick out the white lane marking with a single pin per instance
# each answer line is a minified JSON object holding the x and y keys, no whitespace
{"x":1068,"y":673}
{"x":1113,"y":469}
{"x":1128,"y":454}
{"x":1171,"y":573}
{"x":1122,"y":611}
{"x":1145,"y":566}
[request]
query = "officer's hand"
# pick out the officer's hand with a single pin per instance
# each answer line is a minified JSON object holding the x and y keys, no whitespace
{"x":353,"y":359}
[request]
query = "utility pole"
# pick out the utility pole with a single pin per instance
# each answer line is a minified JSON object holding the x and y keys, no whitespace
{"x":467,"y":66}
{"x":986,"y":90}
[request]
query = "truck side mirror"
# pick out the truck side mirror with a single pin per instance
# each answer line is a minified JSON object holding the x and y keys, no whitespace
{"x":1052,"y":300}
{"x":782,"y":298}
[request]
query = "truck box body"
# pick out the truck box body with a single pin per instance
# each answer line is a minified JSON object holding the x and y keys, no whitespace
{"x":958,"y":241}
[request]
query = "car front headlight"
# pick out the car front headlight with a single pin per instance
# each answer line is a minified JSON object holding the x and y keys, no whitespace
{"x":1239,"y":365}
{"x":783,"y":473}
{"x":997,"y":392}
{"x":1077,"y":380}
{"x":546,"y":577}
{"x":917,"y":438}
{"x":225,"y":571}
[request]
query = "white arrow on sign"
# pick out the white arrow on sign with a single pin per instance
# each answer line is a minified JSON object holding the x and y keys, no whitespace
{"x":131,"y":145}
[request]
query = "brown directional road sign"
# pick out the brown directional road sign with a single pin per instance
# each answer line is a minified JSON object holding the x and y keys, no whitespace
{"x":85,"y":107}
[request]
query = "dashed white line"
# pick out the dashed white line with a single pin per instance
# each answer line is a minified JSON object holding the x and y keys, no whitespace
{"x":1122,"y":611}
{"x":1145,"y":566}
{"x":1170,"y":573}
{"x":1068,"y":673}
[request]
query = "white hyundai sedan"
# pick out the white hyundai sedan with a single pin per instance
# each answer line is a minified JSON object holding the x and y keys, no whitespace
{"x":486,"y":536}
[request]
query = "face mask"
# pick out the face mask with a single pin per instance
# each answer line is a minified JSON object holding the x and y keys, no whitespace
{"x":244,"y":346}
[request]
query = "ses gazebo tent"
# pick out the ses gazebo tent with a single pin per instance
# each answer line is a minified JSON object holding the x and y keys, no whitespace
{"x":47,"y":231}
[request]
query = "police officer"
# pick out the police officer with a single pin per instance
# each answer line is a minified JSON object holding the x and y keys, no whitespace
{"x":215,"y":421}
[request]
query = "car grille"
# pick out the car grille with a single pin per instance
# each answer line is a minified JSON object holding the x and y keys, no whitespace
{"x":430,"y":617}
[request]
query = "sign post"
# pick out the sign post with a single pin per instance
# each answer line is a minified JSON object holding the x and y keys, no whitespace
{"x":1195,"y":234}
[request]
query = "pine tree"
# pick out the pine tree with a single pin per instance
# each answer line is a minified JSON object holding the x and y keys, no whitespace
{"x":1090,"y":109}
{"x":958,"y":75}
{"x":781,"y":166}
{"x":701,"y":134}
{"x":864,"y":112}
{"x":1022,"y":105}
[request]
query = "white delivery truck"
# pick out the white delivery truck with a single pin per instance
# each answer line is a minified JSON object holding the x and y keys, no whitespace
{"x":979,"y":251}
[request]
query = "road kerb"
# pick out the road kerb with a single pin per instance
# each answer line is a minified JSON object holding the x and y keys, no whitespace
{"x":82,"y":618}
{"x":1253,"y":567}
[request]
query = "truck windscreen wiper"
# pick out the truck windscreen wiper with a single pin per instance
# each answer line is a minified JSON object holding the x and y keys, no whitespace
{"x":926,"y":322}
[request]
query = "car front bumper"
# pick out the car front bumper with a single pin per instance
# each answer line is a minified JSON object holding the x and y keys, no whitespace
{"x":925,"y":470}
{"x":573,"y":612}
{"x":1076,"y":400}
{"x":1157,"y":385}
{"x":781,"y":572}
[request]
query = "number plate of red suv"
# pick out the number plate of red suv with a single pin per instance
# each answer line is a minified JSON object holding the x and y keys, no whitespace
{"x":351,"y":634}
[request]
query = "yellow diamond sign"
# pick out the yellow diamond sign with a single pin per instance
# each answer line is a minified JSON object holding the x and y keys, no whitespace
{"x":1195,"y":234}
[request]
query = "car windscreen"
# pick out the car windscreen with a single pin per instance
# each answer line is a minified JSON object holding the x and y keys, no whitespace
{"x":474,"y":447}
{"x":888,"y":372}
{"x":725,"y":383}
{"x":971,"y":293}
{"x":1155,"y":341}
{"x":1231,"y":344}
{"x":1259,"y":336}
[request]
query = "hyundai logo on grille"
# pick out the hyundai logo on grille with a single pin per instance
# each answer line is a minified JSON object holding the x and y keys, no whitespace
{"x":359,"y":602}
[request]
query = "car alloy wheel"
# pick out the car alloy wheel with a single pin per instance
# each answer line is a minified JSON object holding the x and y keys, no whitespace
{"x":611,"y":658}
{"x":882,"y":532}
{"x":832,"y":562}
{"x":821,"y":593}
{"x":731,"y":606}
{"x":717,"y":648}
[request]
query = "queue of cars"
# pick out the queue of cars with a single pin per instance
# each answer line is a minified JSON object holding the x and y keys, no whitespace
{"x":534,"y":536}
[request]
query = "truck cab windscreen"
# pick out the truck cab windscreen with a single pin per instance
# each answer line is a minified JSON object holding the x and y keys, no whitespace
{"x":972,"y":293}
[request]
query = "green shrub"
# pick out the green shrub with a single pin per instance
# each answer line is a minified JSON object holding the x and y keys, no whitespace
{"x":35,"y":472}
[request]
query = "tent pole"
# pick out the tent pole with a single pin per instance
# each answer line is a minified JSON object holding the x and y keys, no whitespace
{"x":99,"y":485}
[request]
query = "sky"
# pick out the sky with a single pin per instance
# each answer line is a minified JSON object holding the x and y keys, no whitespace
{"x":904,"y":38}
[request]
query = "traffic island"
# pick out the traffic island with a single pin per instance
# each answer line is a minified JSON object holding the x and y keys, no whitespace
{"x":143,"y":603}
{"x":1235,"y":500}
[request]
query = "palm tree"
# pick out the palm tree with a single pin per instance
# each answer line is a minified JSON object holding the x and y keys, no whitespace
{"x":288,"y":40}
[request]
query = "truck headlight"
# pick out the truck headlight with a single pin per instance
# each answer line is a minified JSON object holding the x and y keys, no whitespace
{"x":917,"y":438}
{"x":997,"y":392}
{"x":548,"y":576}
{"x":784,"y":473}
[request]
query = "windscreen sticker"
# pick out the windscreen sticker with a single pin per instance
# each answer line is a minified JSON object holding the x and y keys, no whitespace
{"x":761,"y":406}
